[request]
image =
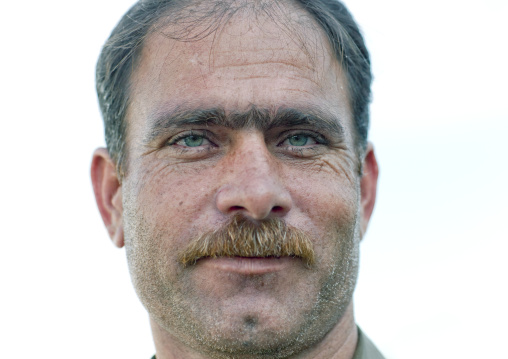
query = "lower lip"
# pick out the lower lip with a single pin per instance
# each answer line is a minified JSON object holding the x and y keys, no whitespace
{"x":247,"y":266}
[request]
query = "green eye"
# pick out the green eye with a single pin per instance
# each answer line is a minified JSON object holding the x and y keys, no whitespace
{"x":298,"y":140}
{"x":193,"y":141}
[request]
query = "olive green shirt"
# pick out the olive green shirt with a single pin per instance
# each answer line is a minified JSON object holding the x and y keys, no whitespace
{"x":365,"y":349}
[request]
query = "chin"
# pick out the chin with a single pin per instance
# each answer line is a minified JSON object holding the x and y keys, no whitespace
{"x":249,"y":336}
{"x":250,"y":327}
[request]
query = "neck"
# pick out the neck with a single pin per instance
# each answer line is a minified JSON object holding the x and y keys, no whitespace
{"x":339,"y":343}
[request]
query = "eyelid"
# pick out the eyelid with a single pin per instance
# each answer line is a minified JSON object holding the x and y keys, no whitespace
{"x":320,"y":139}
{"x":180,"y":136}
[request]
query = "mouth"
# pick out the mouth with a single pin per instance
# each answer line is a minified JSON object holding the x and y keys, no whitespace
{"x":248,"y":265}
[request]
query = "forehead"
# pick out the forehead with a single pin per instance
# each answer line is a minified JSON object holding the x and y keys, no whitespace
{"x":253,"y":57}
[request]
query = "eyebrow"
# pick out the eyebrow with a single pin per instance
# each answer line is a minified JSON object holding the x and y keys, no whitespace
{"x":257,"y":118}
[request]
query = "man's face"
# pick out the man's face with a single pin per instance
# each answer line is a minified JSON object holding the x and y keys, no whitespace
{"x":187,"y":176}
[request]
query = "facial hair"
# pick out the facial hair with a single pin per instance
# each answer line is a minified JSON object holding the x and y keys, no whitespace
{"x":170,"y":297}
{"x":242,"y":237}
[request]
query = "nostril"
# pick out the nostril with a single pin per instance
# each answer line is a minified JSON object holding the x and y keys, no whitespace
{"x":277,"y":209}
{"x":235,"y":208}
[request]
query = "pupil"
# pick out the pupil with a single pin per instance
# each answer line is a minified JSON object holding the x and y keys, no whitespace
{"x":193,"y":141}
{"x":298,"y":140}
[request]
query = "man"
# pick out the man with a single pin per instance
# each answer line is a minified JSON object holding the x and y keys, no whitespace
{"x":238,"y":173}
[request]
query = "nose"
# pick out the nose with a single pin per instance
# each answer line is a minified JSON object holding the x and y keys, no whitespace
{"x":252,"y":183}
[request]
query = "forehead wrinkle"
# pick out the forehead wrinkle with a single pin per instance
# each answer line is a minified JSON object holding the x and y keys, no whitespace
{"x":267,"y":62}
{"x":261,"y":119}
{"x":284,"y":21}
{"x":304,"y":39}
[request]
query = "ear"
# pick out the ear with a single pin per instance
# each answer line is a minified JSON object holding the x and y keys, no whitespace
{"x":108,"y":194}
{"x":368,"y":187}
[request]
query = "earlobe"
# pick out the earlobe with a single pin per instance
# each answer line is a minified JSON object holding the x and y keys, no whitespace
{"x":108,"y":194}
{"x":368,"y":187}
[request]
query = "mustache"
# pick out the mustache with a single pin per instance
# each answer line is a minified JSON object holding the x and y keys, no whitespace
{"x":242,"y":237}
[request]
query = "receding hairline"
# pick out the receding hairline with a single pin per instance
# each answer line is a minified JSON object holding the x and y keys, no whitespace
{"x":188,"y":22}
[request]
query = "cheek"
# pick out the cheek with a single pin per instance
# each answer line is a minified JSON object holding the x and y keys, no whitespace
{"x":173,"y":198}
{"x":325,"y":189}
{"x":326,"y":204}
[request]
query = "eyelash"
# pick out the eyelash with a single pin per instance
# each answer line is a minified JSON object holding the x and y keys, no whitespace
{"x":185,"y":135}
{"x":319,"y":139}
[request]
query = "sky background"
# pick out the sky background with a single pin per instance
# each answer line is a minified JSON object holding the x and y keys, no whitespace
{"x":433,"y":274}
